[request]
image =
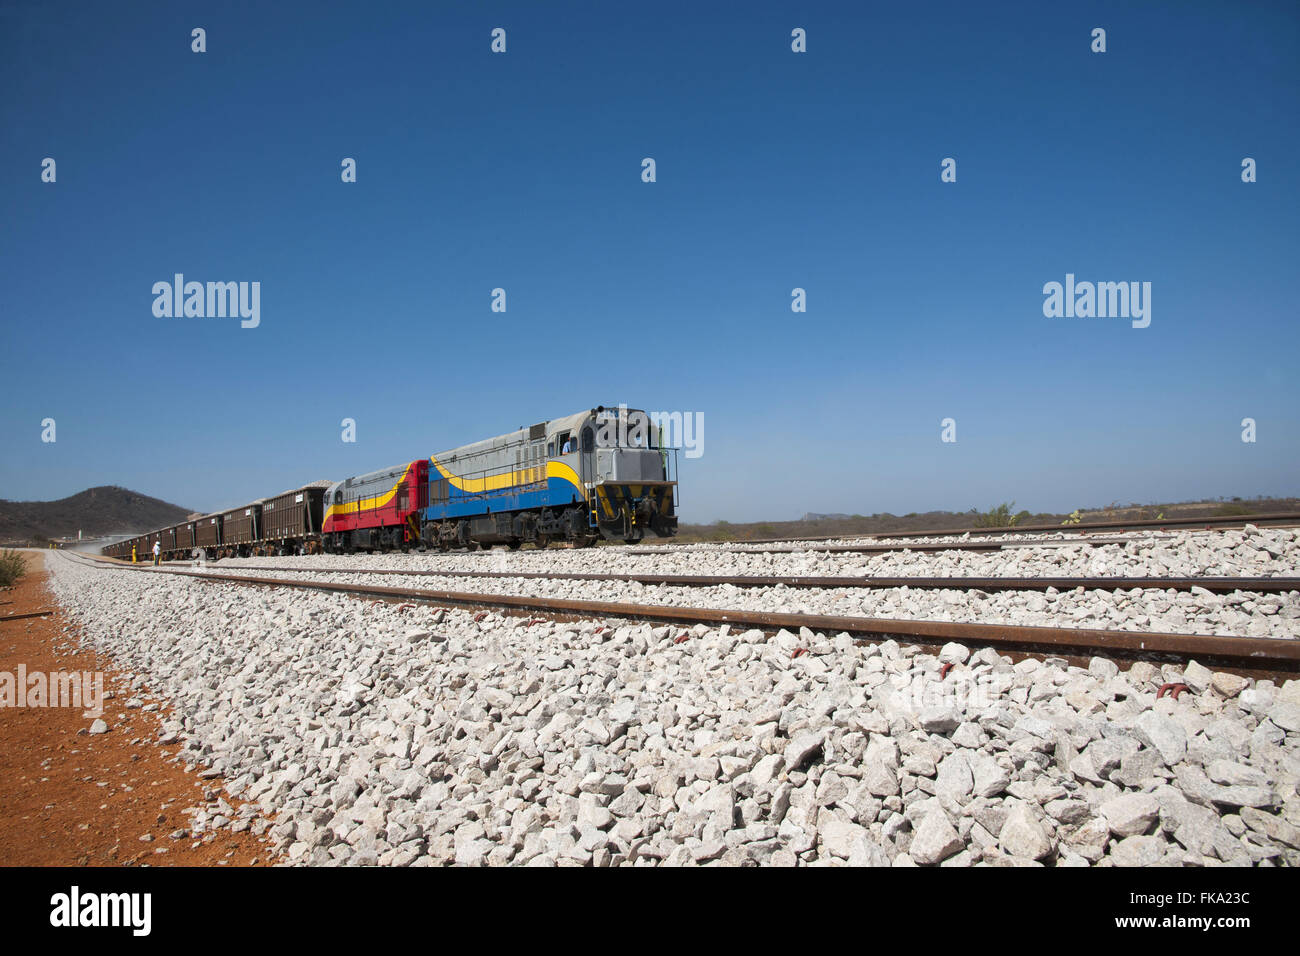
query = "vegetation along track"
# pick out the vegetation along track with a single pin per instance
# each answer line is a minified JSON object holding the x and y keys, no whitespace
{"x":1251,"y":656}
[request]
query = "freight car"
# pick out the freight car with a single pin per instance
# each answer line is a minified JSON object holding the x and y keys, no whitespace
{"x":143,"y":545}
{"x":291,"y":522}
{"x":207,"y":534}
{"x":288,"y":523}
{"x":184,"y":538}
{"x":241,"y":529}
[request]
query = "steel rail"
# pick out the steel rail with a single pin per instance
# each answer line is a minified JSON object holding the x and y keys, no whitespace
{"x":1209,"y":523}
{"x":1273,"y":655}
{"x":739,"y":547}
{"x":1215,"y":585}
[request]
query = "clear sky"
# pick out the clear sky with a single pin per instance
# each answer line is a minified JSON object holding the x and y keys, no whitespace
{"x":775,"y":170}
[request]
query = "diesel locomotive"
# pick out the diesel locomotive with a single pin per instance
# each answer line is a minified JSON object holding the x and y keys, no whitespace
{"x":602,"y":473}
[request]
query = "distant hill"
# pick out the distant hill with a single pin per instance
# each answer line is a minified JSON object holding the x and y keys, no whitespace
{"x":94,"y":512}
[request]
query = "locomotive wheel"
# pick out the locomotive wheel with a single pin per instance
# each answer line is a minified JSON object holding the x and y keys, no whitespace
{"x":514,"y":545}
{"x":543,"y":540}
{"x":485,"y":546}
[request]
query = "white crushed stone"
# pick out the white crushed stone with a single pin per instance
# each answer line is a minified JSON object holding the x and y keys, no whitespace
{"x":1262,"y":553}
{"x":420,"y":736}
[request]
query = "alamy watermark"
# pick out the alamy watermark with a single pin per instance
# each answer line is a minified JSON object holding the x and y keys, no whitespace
{"x":969,"y":693}
{"x":212,"y":300}
{"x":82,"y":689}
{"x":620,"y":427}
{"x":75,"y":908}
{"x":1085,"y":300}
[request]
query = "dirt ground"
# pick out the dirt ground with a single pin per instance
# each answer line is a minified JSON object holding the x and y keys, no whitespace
{"x":69,"y":798}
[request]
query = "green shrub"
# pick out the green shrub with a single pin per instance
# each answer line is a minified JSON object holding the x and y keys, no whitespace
{"x":12,"y":567}
{"x":999,"y":517}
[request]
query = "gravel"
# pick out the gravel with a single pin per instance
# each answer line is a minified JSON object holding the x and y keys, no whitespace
{"x":1252,"y":552}
{"x":418,"y":736}
{"x":1248,"y":553}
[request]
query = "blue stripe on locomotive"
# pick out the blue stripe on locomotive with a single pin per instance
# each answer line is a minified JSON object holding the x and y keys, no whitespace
{"x":558,"y":493}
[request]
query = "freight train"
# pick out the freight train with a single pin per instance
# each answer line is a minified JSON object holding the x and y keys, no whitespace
{"x":602,"y":473}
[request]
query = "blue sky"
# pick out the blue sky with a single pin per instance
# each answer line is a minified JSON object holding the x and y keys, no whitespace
{"x":775,"y":170}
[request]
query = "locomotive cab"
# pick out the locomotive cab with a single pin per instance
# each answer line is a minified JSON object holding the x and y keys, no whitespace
{"x":627,"y":475}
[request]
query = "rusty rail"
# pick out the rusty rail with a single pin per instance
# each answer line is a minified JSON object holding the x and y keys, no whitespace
{"x":1271,"y":655}
{"x":28,"y":614}
{"x":1208,"y":522}
{"x":1215,"y":585}
{"x":743,"y":547}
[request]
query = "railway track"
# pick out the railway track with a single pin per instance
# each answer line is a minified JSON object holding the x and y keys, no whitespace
{"x":1215,"y":585}
{"x":743,"y":547}
{"x":1281,"y":519}
{"x":1245,"y":655}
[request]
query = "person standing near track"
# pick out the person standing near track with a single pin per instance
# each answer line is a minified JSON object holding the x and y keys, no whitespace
{"x":133,"y":557}
{"x":157,"y":550}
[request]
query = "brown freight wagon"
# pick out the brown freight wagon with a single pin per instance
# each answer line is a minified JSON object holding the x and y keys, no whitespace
{"x":207,"y":534}
{"x":291,"y":522}
{"x":185,"y":538}
{"x":240,"y":529}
